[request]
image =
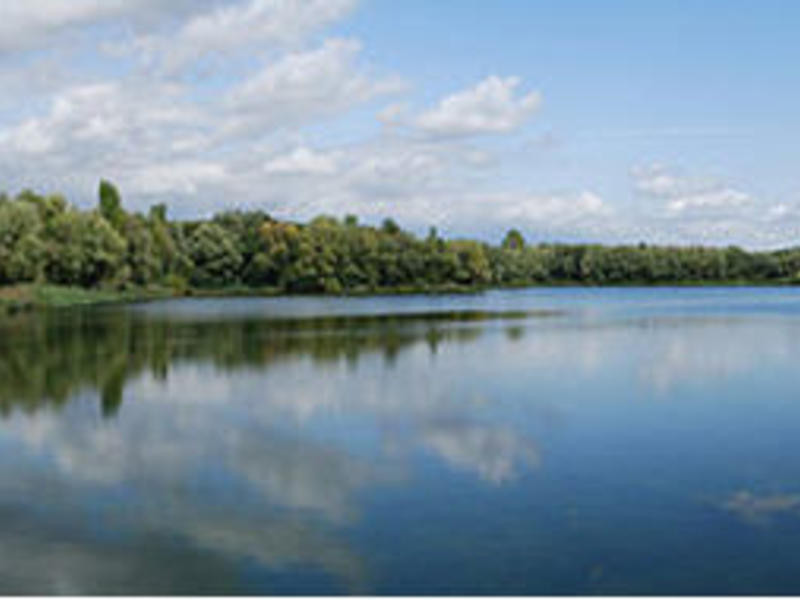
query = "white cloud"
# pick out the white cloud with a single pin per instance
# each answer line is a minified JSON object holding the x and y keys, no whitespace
{"x":151,"y":141}
{"x":683,"y":193}
{"x":782,"y":212}
{"x":393,"y":114}
{"x":685,"y":208}
{"x":104,"y":114}
{"x":574,"y":215}
{"x":384,"y":170}
{"x":33,"y":23}
{"x":420,"y":183}
{"x":550,"y":208}
{"x":24,"y":23}
{"x":209,"y":104}
{"x":176,"y":177}
{"x":232,"y":28}
{"x":302,"y":161}
{"x":489,"y":107}
{"x":161,"y":136}
{"x":722,"y":198}
{"x":660,"y":181}
{"x":303,"y":86}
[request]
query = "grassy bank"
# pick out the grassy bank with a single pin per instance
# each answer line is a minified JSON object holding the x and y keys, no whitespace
{"x":30,"y":297}
{"x":21,"y":298}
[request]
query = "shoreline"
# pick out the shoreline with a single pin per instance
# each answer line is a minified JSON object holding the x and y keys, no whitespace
{"x":25,"y":298}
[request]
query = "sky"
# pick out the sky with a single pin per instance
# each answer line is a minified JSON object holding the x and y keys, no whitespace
{"x":671,"y":122}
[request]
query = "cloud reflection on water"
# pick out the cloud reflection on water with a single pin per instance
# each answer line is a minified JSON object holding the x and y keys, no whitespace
{"x":251,"y":444}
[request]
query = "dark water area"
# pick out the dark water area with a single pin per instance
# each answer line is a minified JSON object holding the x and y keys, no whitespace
{"x":570,"y":441}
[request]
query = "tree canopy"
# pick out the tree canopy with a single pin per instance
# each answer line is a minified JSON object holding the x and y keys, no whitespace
{"x":45,"y":239}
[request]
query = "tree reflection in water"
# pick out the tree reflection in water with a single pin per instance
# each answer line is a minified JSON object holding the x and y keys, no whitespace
{"x":172,"y":434}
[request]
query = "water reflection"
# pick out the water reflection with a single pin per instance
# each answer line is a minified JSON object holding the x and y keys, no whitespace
{"x":497,"y":451}
{"x":45,"y":358}
{"x":761,"y":509}
{"x":494,"y":454}
{"x":184,"y":424}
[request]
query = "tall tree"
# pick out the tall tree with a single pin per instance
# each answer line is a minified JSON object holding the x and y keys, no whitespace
{"x":110,"y":204}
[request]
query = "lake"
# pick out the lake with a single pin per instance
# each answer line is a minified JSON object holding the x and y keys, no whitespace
{"x":548,"y":441}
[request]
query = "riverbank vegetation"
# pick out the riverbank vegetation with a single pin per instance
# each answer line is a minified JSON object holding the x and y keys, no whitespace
{"x":51,"y":253}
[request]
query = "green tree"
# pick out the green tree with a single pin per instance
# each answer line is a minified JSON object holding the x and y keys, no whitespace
{"x":217,"y":260}
{"x":111,"y":204}
{"x":82,"y":249}
{"x":513,"y":240}
{"x":390,"y":227}
{"x":142,"y":256}
{"x":21,"y":247}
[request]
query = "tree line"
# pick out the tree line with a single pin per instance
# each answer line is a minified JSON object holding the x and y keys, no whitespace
{"x":44,"y":239}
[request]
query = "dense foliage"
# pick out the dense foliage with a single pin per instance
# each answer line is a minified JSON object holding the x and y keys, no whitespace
{"x":43,"y":239}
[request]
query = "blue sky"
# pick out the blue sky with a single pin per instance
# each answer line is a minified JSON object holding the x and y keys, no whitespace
{"x":614,"y":121}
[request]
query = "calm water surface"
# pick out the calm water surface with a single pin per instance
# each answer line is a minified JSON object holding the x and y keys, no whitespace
{"x":536,"y":442}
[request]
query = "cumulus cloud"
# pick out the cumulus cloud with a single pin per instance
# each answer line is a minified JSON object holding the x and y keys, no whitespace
{"x":575,"y":215}
{"x":681,"y":207}
{"x":382,"y":172}
{"x":302,"y":87}
{"x":231,"y":28}
{"x":185,"y":177}
{"x":684,"y":193}
{"x":423,"y":183}
{"x":215,"y":104}
{"x":302,"y":161}
{"x":32,"y":24}
{"x":549,"y":208}
{"x":492,"y":106}
{"x":187,"y":142}
{"x":413,"y":181}
{"x":22,"y":24}
{"x":149,"y":140}
{"x":721,"y":198}
{"x":782,"y":212}
{"x":393,"y":114}
{"x":109,"y":114}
